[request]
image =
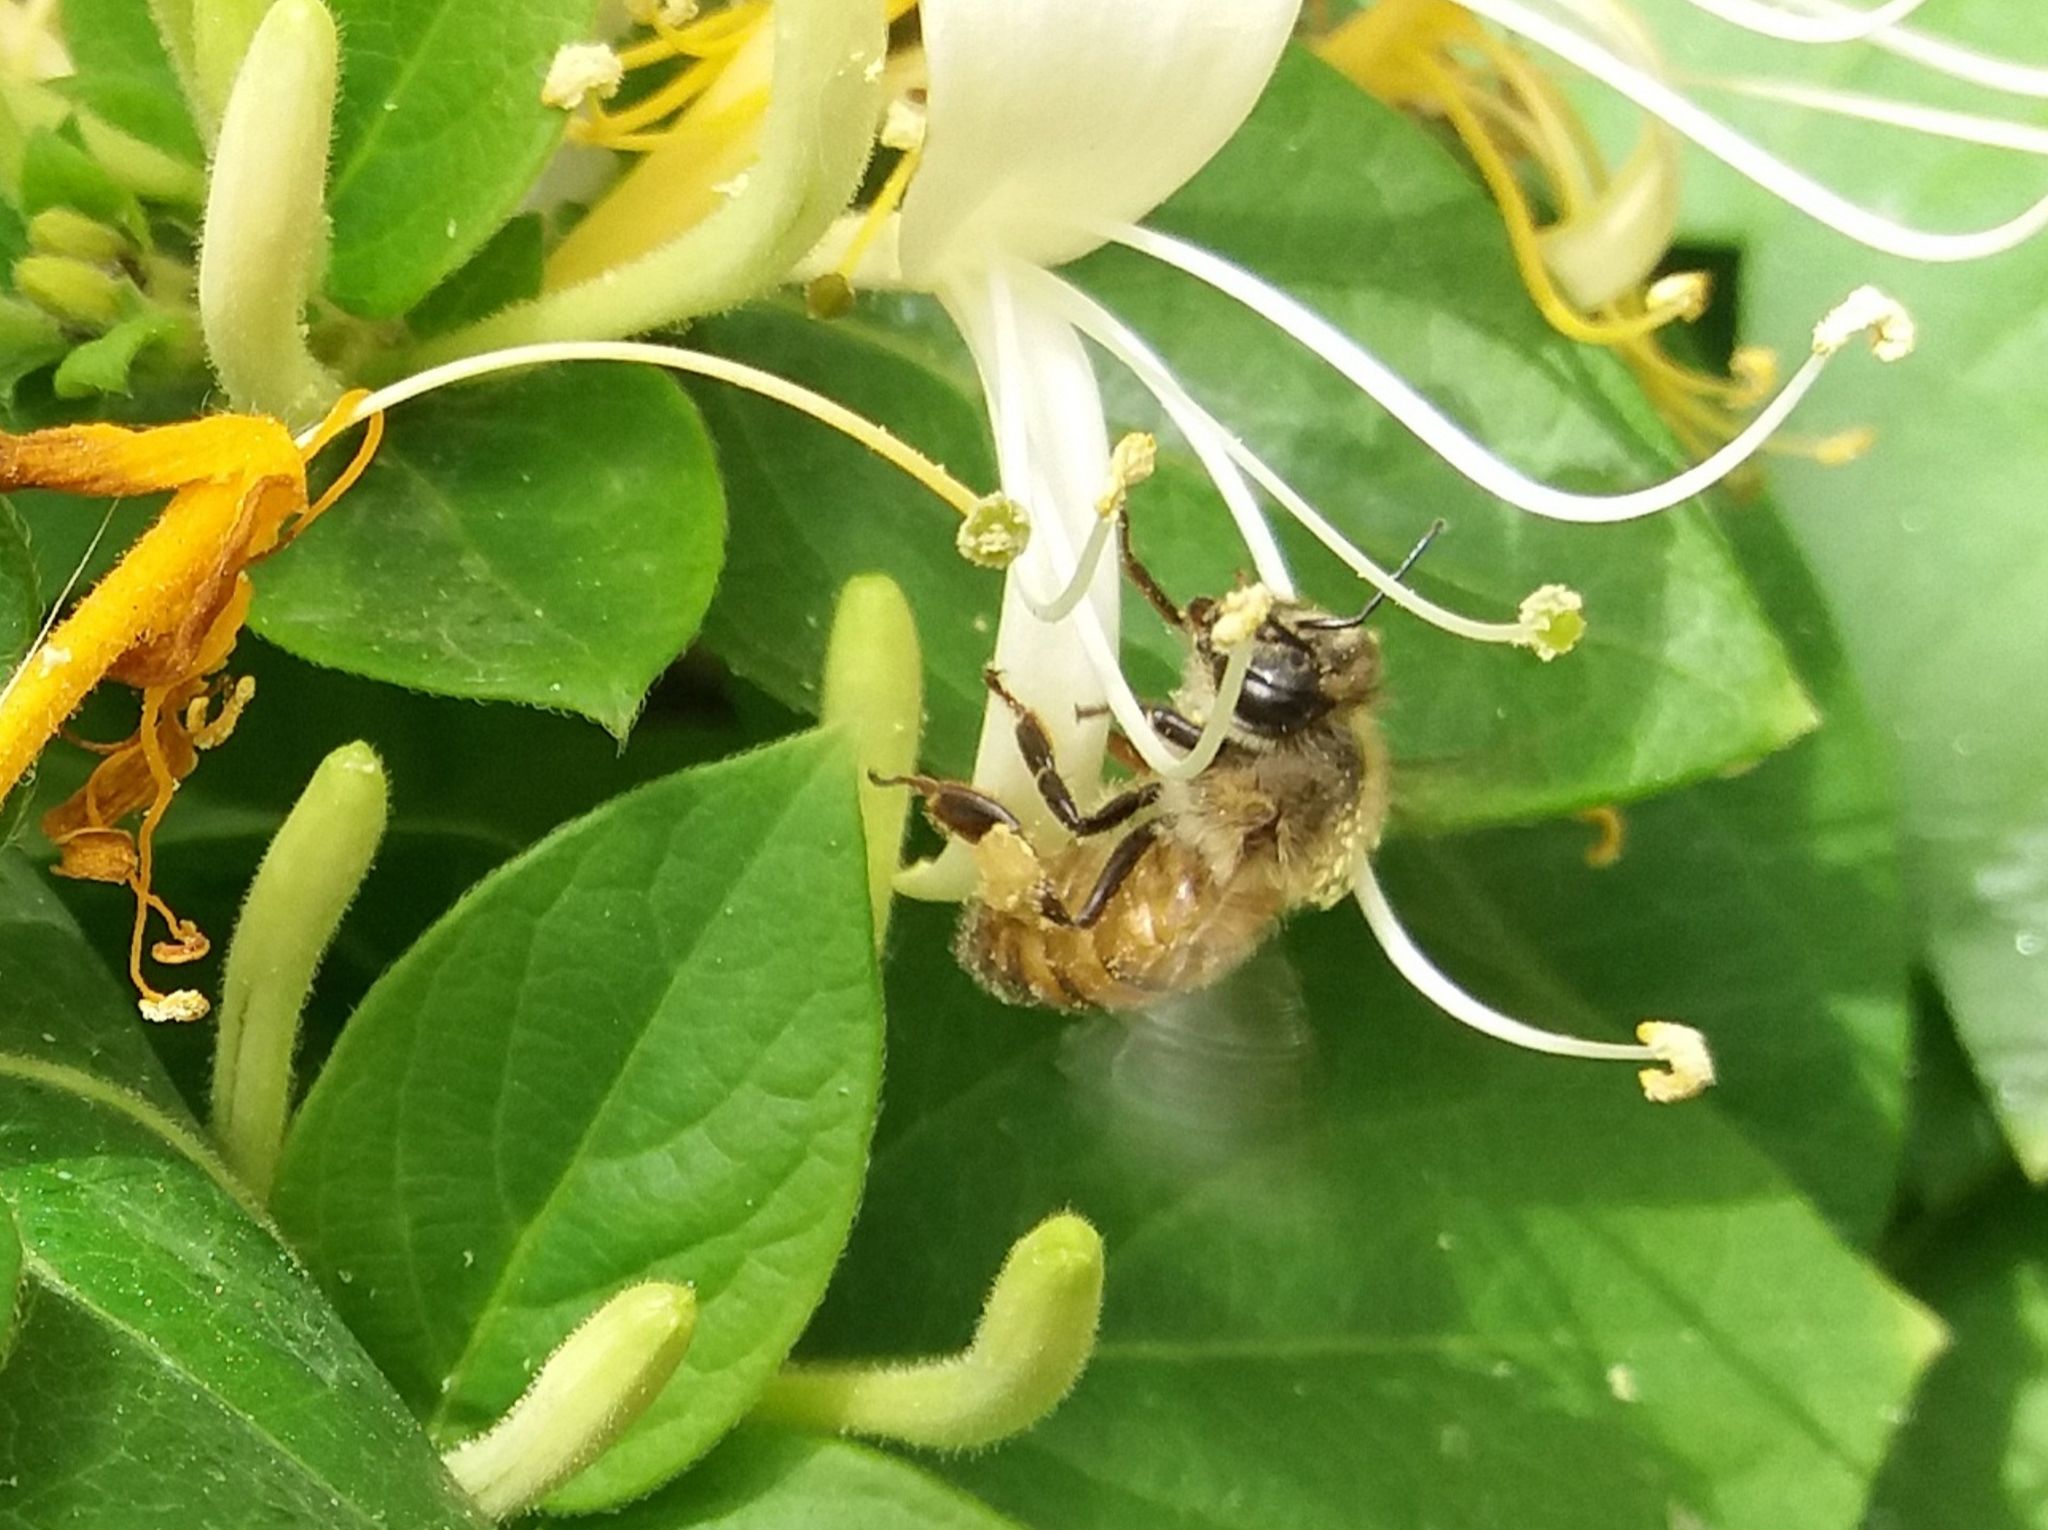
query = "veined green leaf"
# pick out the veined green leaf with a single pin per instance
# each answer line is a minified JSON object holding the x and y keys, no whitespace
{"x":171,"y":1363}
{"x":762,"y":1481}
{"x":552,"y":540}
{"x":439,"y":131}
{"x":1368,"y":1270}
{"x":647,"y":1048}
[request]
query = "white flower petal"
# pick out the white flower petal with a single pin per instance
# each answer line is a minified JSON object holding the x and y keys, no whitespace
{"x":1052,"y":448}
{"x":1048,"y":119}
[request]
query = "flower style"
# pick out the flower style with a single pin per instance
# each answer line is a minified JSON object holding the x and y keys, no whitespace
{"x":1046,"y":132}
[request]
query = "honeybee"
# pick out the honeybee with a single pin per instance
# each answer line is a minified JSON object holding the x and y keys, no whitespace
{"x":1169,"y":885}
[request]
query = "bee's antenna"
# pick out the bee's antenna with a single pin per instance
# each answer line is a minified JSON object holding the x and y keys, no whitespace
{"x":1435,"y":527}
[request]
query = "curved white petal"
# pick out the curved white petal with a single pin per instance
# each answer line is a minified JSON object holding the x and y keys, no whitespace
{"x":1049,"y":118}
{"x":1052,"y":448}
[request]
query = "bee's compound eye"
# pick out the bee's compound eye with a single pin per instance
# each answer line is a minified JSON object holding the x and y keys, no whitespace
{"x":1282,"y":691}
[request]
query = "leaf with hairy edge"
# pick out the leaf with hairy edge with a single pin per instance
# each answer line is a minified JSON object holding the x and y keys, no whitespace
{"x":552,"y":540}
{"x":649,"y":1047}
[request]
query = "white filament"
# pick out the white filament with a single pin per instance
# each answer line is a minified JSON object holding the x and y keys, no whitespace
{"x":1436,"y":430}
{"x":1749,"y":159}
{"x":1430,"y":981}
{"x":1962,"y":127}
{"x":1203,"y":429}
{"x":1788,"y":26}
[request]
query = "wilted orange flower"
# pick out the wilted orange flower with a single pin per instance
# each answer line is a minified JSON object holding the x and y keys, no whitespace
{"x":163,"y":621}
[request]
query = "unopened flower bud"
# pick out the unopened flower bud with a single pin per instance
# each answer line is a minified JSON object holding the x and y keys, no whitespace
{"x":266,"y":223}
{"x":1036,"y":1333}
{"x":590,"y":1392}
{"x":77,"y":292}
{"x":64,"y":231}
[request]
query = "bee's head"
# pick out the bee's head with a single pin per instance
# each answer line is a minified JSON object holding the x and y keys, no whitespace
{"x":1305,"y":664}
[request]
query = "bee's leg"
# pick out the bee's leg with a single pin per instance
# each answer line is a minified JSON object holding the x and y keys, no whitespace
{"x":1115,"y":871}
{"x":1141,"y":576}
{"x":1174,"y":727}
{"x":965,"y":812}
{"x":1035,"y":744}
{"x":1166,"y":722}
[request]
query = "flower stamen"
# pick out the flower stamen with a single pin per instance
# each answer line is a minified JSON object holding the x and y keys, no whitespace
{"x":1788,"y":26}
{"x":1680,"y":1065}
{"x":1749,"y":159}
{"x":1450,"y":441}
{"x":1130,"y":463}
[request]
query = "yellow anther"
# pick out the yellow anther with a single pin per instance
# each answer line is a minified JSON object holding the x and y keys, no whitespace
{"x":902,"y":127}
{"x":1131,"y":461}
{"x":993,"y":532}
{"x":1754,"y":371}
{"x":1682,"y":294}
{"x":1553,"y":617}
{"x":1239,"y":615}
{"x":211,"y":734}
{"x":1688,"y":1069}
{"x":1844,"y":446}
{"x":580,"y":71}
{"x":829,"y":296}
{"x":181,"y":1006}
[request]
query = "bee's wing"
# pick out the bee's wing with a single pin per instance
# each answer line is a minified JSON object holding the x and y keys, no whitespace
{"x":1204,"y":1076}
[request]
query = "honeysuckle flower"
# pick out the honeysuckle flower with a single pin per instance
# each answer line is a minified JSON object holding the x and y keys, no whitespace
{"x":165,"y":620}
{"x":1580,"y":32}
{"x":1053,"y":129}
{"x":754,"y":138}
{"x":1589,"y":267}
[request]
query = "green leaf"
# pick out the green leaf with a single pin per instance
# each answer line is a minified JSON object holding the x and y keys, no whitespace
{"x":1709,"y":916}
{"x":1376,"y":227}
{"x":551,"y":540}
{"x":649,"y":1047}
{"x":10,"y":1280}
{"x":62,"y":1011}
{"x":762,"y":1481}
{"x":1931,"y":551}
{"x":21,"y":607}
{"x":1369,"y":1271}
{"x":173,"y":1364}
{"x":55,"y":172}
{"x":125,"y":77}
{"x":1975,"y":1450}
{"x":103,"y":365}
{"x":456,"y":815}
{"x":438,"y":133}
{"x":506,"y":270}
